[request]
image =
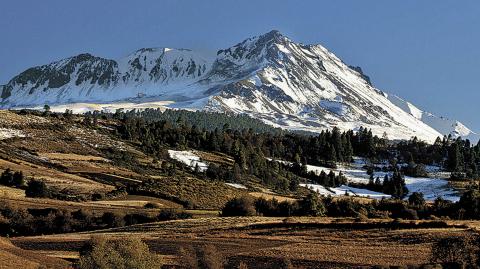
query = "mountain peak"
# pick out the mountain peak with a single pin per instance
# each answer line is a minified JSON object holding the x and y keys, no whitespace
{"x":256,"y":47}
{"x":273,"y":35}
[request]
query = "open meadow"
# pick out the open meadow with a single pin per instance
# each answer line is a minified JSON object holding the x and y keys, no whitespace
{"x":262,"y":242}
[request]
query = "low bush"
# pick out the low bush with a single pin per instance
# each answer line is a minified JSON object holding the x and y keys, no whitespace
{"x":129,"y":252}
{"x":461,"y":250}
{"x":239,"y":206}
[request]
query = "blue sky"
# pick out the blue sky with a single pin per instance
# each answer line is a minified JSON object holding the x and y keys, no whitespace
{"x":427,"y":52}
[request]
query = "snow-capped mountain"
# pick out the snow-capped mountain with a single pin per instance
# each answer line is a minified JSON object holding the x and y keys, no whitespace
{"x":287,"y":84}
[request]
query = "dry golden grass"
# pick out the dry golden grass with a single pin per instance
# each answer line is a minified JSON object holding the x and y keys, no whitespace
{"x":145,"y":199}
{"x":140,"y":203}
{"x":71,"y":157}
{"x":8,"y":192}
{"x":14,"y":257}
{"x":8,"y":118}
{"x":56,"y":178}
{"x":218,"y":158}
{"x":201,"y":194}
{"x":270,"y":196}
{"x":94,"y":207}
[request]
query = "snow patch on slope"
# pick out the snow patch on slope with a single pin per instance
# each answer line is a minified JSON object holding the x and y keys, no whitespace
{"x":236,"y":186}
{"x":189,"y":158}
{"x":81,"y":108}
{"x":345,"y":190}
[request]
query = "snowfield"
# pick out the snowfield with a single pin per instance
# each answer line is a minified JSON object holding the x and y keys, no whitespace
{"x":189,"y":158}
{"x":430,"y":187}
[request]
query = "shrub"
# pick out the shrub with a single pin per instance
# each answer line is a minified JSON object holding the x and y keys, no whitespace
{"x":379,"y":214}
{"x":211,"y":258}
{"x":188,"y":257}
{"x":312,"y":205}
{"x":172,"y":214}
{"x":37,"y":188}
{"x":470,"y":202}
{"x":362,"y":215}
{"x":286,"y":264}
{"x":415,"y":170}
{"x":138,"y":218}
{"x":344,"y":207}
{"x":97,"y":196}
{"x":416,"y":199}
{"x":460,"y":250}
{"x":151,"y":205}
{"x":239,"y":206}
{"x":113,"y":220}
{"x":18,"y":179}
{"x":128,"y":253}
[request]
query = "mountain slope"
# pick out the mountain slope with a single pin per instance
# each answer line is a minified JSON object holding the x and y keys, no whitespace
{"x":442,"y":125}
{"x":270,"y":77}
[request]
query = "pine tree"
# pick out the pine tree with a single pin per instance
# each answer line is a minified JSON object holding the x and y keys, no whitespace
{"x":386,"y":186}
{"x":378,"y":183}
{"x":18,"y":179}
{"x":312,"y":205}
{"x":399,"y":189}
{"x":348,"y":150}
{"x":371,"y":181}
{"x":332,"y":179}
{"x":454,"y":159}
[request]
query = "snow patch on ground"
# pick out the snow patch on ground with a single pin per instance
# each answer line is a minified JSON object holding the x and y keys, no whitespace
{"x":236,"y":185}
{"x":189,"y":158}
{"x":343,"y":189}
{"x":9,"y":133}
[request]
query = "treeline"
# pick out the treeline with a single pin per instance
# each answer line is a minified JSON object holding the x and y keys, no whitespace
{"x":328,"y":180}
{"x":154,"y":136}
{"x":15,"y":221}
{"x":393,"y":185}
{"x":191,"y":129}
{"x":201,"y":119}
{"x":325,"y":148}
{"x":415,"y":207}
{"x":454,"y":155}
{"x":252,"y":149}
{"x":220,"y":132}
